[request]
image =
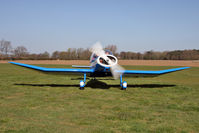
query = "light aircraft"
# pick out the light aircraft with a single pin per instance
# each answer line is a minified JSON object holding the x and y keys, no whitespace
{"x":103,"y":64}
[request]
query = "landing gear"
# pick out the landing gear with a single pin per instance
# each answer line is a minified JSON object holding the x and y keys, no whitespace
{"x":82,"y":83}
{"x":123,"y":84}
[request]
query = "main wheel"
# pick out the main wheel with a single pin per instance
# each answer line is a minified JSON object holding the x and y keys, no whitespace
{"x":81,"y":84}
{"x":124,"y":85}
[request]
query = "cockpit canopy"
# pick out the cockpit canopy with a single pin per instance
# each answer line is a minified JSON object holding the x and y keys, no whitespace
{"x":94,"y":56}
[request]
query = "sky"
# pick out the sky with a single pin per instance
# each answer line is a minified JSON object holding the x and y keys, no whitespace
{"x":132,"y":25}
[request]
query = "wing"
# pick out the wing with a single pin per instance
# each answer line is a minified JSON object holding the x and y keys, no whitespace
{"x":54,"y":70}
{"x":142,"y":73}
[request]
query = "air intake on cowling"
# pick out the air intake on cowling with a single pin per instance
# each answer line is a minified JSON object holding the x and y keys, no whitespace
{"x":107,"y":62}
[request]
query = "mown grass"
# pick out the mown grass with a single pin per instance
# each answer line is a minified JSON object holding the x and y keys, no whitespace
{"x":35,"y":102}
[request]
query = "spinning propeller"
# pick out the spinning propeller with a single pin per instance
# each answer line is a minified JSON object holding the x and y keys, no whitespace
{"x":107,"y":60}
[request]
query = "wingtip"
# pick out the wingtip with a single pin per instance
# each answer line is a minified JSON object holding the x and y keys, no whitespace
{"x":186,"y":67}
{"x":11,"y":62}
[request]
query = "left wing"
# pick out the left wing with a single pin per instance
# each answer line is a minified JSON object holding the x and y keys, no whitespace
{"x":52,"y":70}
{"x":144,"y":73}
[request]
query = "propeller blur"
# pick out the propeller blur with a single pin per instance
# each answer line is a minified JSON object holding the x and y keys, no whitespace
{"x":107,"y":60}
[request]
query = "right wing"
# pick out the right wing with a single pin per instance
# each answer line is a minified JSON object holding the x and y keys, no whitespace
{"x":54,"y":70}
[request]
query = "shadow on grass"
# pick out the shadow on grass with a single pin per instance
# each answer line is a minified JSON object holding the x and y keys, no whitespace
{"x":92,"y":79}
{"x":96,"y":84}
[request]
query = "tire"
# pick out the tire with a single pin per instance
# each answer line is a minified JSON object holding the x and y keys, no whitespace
{"x":81,"y":88}
{"x":123,"y":88}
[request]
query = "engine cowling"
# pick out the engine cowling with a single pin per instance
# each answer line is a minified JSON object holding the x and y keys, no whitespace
{"x":107,"y":62}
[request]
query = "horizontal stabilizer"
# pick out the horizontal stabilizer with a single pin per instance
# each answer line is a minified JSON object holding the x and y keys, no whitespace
{"x":81,"y":66}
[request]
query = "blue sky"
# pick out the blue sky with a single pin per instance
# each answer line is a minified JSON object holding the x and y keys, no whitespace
{"x":132,"y":25}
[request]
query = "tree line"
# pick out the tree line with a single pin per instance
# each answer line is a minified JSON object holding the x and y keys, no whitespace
{"x":7,"y":52}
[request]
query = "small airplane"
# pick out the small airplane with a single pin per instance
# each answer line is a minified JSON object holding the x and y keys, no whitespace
{"x":103,"y":64}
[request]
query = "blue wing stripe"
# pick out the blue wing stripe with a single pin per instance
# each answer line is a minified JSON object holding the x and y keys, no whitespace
{"x":54,"y":69}
{"x":154,"y":72}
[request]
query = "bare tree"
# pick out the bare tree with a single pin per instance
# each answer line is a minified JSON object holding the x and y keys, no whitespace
{"x":63,"y":55}
{"x":5,"y":47}
{"x":1,"y":46}
{"x":79,"y":53}
{"x":20,"y":52}
{"x":112,"y":48}
{"x":55,"y":55}
{"x":86,"y":54}
{"x":44,"y":56}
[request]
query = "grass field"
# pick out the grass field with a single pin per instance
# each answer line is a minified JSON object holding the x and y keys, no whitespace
{"x":35,"y":102}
